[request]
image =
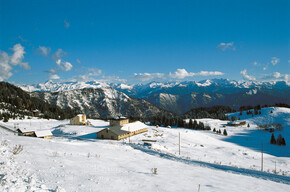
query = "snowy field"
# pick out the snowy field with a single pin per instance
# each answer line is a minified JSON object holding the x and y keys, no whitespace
{"x":74,"y":160}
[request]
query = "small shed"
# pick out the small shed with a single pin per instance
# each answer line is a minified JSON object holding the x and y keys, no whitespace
{"x":46,"y":134}
{"x":236,"y":123}
{"x":23,"y":131}
{"x":80,"y":119}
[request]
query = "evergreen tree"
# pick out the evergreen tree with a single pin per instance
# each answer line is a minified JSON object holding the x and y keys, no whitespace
{"x":283,"y":142}
{"x":6,"y":119}
{"x":190,"y":124}
{"x":279,"y":139}
{"x":214,"y":130}
{"x":225,"y":132}
{"x":273,"y":140}
{"x":248,"y":125}
{"x":194,"y":124}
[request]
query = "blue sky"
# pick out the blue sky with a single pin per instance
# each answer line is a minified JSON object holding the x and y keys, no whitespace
{"x":141,"y":41}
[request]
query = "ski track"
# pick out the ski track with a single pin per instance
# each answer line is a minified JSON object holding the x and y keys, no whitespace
{"x":225,"y":168}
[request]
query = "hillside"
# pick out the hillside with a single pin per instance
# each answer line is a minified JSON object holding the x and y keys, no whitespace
{"x":75,"y":160}
{"x":14,"y":102}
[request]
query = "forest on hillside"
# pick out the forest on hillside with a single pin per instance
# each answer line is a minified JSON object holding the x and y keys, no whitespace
{"x":14,"y":102}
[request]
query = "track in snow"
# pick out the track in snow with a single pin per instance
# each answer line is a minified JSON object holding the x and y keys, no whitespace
{"x":234,"y":170}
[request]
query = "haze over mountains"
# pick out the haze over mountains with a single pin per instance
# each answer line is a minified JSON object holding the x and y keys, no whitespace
{"x":178,"y":97}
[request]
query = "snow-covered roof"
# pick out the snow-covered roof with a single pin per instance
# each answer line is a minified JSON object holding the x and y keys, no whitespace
{"x":119,"y":117}
{"x":43,"y":133}
{"x":80,"y":115}
{"x":26,"y":129}
{"x":134,"y":126}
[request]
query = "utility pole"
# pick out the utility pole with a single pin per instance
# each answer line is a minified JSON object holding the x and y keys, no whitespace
{"x":129,"y":134}
{"x":262,"y":158}
{"x":179,"y":143}
{"x":275,"y":168}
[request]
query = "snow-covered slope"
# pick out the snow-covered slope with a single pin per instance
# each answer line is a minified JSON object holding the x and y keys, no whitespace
{"x":75,"y":160}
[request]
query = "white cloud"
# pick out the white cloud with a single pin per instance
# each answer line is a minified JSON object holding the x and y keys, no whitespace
{"x":226,"y":46}
{"x":66,"y":24}
{"x":54,"y":76}
{"x":51,"y":71}
{"x":64,"y":65}
{"x":182,"y":73}
{"x":148,"y":76}
{"x":246,"y":76}
{"x":209,"y":73}
{"x":18,"y":56}
{"x":91,"y":75}
{"x":277,"y":76}
{"x":256,"y":63}
{"x":264,"y":68}
{"x":112,"y":79}
{"x":275,"y":60}
{"x":45,"y":51}
{"x":7,"y":62}
{"x":58,"y":54}
{"x":79,"y":61}
{"x":5,"y":68}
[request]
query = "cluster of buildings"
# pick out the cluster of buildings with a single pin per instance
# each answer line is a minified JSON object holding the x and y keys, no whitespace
{"x":45,"y":134}
{"x":120,"y":128}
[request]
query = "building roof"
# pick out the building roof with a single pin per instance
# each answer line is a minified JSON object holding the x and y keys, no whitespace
{"x":118,"y":131}
{"x":26,"y":129}
{"x":43,"y":133}
{"x":134,"y":126}
{"x":121,"y":130}
{"x":119,"y":118}
{"x":80,"y":115}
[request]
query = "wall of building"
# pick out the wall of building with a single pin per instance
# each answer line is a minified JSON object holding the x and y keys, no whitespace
{"x":117,"y":122}
{"x":107,"y":134}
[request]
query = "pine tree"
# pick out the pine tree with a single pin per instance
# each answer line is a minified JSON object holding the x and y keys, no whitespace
{"x":283,"y":142}
{"x":190,"y":124}
{"x":279,"y":139}
{"x":214,"y":130}
{"x":194,"y":124}
{"x":225,"y":132}
{"x":273,"y":140}
{"x":248,"y":124}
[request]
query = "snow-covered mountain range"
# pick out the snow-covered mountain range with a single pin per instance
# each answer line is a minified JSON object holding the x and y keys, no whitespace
{"x":102,"y":102}
{"x":175,"y":96}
